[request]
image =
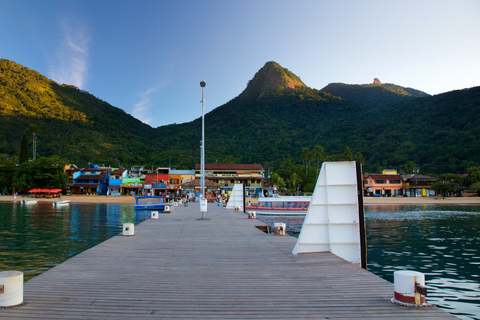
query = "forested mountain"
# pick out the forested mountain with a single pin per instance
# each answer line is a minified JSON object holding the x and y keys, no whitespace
{"x":374,"y":93}
{"x":273,"y":119}
{"x":72,"y":123}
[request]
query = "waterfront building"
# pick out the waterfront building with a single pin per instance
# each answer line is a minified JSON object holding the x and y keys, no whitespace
{"x":379,"y":185}
{"x":418,"y":185}
{"x":226,"y":175}
{"x":89,"y":180}
{"x":114,"y":185}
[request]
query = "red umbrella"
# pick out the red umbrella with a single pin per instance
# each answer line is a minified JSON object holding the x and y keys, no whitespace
{"x":33,"y":191}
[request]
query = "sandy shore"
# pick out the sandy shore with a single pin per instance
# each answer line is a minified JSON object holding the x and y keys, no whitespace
{"x":368,"y":200}
{"x":77,"y":198}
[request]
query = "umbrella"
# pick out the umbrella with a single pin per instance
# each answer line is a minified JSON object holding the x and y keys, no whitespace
{"x":34,"y":191}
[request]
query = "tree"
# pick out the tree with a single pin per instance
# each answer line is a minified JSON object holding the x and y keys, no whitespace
{"x":306,"y":156}
{"x":24,"y":149}
{"x":34,"y":129}
{"x":7,"y":171}
{"x":43,"y":173}
{"x":319,"y":154}
{"x":348,"y":154}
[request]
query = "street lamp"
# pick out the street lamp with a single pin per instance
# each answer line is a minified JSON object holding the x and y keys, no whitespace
{"x":203,"y":201}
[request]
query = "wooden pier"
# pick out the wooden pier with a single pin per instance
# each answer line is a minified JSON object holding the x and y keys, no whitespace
{"x":179,"y":266}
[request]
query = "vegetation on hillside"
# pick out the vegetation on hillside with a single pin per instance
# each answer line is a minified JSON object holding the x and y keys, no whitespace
{"x":273,"y":120}
{"x":373,"y":93}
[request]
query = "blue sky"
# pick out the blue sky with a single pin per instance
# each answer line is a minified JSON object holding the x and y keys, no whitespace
{"x":148,"y":57}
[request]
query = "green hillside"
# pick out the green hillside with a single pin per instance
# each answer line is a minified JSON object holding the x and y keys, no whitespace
{"x":72,"y":123}
{"x":272,"y":120}
{"x":375,"y":93}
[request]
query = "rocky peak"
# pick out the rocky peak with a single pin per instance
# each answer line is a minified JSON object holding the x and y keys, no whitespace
{"x":270,"y":78}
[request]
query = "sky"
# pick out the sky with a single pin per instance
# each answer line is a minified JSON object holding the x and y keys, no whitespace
{"x":148,"y":57}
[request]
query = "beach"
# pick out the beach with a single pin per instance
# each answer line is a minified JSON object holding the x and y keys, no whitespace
{"x":367,"y":200}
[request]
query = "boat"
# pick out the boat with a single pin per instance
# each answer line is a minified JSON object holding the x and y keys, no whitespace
{"x":150,"y":203}
{"x":294,"y":205}
{"x":27,"y":202}
{"x":61,"y":203}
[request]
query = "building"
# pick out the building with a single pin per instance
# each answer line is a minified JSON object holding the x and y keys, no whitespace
{"x":115,"y":183}
{"x":226,"y":175}
{"x":418,"y":185}
{"x":89,"y":180}
{"x":379,"y":185}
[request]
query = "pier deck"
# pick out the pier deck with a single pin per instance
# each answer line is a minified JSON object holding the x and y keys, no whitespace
{"x":181,"y":267}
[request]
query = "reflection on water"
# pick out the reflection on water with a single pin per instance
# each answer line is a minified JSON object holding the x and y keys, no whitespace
{"x":441,"y":241}
{"x":36,"y":237}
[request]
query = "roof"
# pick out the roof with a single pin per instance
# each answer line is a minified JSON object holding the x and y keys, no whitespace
{"x":419,"y":177}
{"x":117,"y":172}
{"x":231,"y":166}
{"x":91,"y":177}
{"x":384,"y":176}
{"x":196,"y":183}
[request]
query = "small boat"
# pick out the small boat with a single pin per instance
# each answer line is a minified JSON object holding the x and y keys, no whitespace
{"x":61,"y":203}
{"x":295,"y":205}
{"x":150,"y":203}
{"x":27,"y":202}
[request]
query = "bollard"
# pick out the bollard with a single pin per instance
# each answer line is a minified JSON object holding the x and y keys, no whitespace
{"x":154,"y":215}
{"x":166,"y":209}
{"x":11,"y":288}
{"x":409,"y":288}
{"x":252,"y":215}
{"x":279,"y":228}
{"x":128,"y":229}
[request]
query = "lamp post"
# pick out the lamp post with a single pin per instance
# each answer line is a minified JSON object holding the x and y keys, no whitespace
{"x":203,"y":201}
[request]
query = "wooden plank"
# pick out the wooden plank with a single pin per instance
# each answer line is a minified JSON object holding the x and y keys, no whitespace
{"x":178,"y":266}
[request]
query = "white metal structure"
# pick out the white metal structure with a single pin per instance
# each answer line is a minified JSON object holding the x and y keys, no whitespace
{"x":237,"y":197}
{"x":203,"y":208}
{"x":332,"y":222}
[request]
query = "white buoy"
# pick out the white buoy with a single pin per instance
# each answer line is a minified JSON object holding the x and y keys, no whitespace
{"x":409,"y":288}
{"x":279,"y":228}
{"x":154,"y":215}
{"x":166,"y":209}
{"x":11,"y":288}
{"x":128,"y":229}
{"x":252,"y":215}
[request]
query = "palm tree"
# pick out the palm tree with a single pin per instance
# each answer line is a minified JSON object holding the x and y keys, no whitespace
{"x":34,"y":129}
{"x":319,"y":154}
{"x":306,"y":156}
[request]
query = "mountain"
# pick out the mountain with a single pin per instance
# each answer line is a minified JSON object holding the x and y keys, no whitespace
{"x":270,"y":79}
{"x":375,"y":93}
{"x":72,"y":123}
{"x":272,"y":120}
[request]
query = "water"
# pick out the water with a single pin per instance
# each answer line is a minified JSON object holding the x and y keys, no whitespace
{"x":35,"y":238}
{"x":441,"y":241}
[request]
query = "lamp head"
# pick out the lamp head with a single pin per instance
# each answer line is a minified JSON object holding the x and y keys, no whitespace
{"x":203,"y":83}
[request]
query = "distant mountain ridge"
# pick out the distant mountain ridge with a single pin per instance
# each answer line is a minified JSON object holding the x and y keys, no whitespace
{"x":272,"y":120}
{"x":374,"y":93}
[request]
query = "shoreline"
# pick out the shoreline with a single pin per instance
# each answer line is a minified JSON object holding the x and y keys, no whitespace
{"x":367,"y":200}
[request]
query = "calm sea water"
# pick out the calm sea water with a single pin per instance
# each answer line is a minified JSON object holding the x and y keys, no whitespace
{"x":443,"y":242}
{"x":35,"y":238}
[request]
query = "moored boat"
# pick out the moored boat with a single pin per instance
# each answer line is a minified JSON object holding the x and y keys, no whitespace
{"x":61,"y":203}
{"x":27,"y":202}
{"x":150,"y":203}
{"x":294,"y":205}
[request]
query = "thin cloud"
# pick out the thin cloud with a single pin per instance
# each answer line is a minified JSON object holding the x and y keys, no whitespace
{"x":72,"y":56}
{"x":142,"y":107}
